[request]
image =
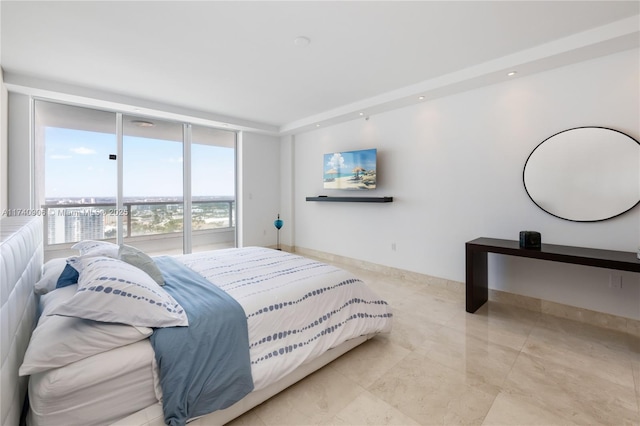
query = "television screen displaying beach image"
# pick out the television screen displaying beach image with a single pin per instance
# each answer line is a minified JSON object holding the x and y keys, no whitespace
{"x":350,"y":169}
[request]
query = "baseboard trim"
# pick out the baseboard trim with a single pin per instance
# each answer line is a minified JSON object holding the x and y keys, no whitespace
{"x":583,"y":315}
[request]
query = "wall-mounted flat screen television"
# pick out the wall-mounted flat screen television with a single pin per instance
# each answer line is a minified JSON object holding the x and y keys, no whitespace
{"x":350,"y":169}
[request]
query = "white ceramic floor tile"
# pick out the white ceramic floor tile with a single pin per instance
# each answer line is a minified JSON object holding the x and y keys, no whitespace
{"x":247,"y":419}
{"x":508,"y":410}
{"x":592,"y":357}
{"x":511,"y":334}
{"x":369,"y":361}
{"x":367,"y":410}
{"x":484,"y":364}
{"x":312,"y":401}
{"x":431,"y":393}
{"x":571,"y":393}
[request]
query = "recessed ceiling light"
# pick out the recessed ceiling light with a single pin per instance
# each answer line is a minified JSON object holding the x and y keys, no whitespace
{"x":317,"y":125}
{"x":421,"y":98}
{"x":512,"y":73}
{"x":142,"y":123}
{"x":362,"y":113}
{"x":301,"y":41}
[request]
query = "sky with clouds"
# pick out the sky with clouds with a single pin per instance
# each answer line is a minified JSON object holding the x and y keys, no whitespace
{"x":77,"y":164}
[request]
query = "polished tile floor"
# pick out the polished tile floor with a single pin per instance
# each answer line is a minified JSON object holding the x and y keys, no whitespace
{"x":501,"y":366}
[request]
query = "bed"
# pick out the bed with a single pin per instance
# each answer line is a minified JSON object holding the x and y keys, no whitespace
{"x":297,"y":315}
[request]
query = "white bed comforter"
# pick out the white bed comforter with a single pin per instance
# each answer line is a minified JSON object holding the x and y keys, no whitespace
{"x":296,"y":308}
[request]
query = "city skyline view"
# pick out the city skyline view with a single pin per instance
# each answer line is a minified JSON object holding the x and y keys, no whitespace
{"x":96,"y":218}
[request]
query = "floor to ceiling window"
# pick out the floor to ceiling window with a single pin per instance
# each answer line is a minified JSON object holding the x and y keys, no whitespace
{"x":76,"y":180}
{"x":213,"y":201}
{"x":162,"y":186}
{"x":152,"y":157}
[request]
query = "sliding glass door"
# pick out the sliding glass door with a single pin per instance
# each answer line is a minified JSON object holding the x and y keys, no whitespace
{"x":164,"y":187}
{"x":213,"y":188}
{"x":152,"y":157}
{"x":78,"y":177}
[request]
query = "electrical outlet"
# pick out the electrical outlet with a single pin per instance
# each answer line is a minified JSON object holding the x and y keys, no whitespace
{"x":615,"y":280}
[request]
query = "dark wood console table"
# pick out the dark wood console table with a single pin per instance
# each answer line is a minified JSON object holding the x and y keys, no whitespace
{"x":477,"y":291}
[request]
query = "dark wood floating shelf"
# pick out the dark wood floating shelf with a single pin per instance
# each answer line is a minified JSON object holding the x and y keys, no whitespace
{"x":476,"y":262}
{"x":353,"y":199}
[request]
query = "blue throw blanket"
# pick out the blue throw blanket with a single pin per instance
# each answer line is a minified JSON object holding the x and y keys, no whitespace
{"x":206,"y":366}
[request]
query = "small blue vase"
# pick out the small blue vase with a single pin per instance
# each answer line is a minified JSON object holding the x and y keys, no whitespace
{"x":278,"y":222}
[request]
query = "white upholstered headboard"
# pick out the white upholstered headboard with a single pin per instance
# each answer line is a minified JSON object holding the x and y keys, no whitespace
{"x":21,"y":259}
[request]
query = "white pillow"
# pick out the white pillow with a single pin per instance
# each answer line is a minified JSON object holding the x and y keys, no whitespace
{"x":53,"y":299}
{"x":51,"y":271}
{"x":96,"y":248}
{"x":58,"y":341}
{"x":111,"y":290}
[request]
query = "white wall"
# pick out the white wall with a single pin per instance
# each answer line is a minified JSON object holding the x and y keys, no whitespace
{"x":454,"y":167}
{"x":287,"y":211}
{"x":4,"y":117}
{"x":259,"y":188}
{"x":19,"y":167}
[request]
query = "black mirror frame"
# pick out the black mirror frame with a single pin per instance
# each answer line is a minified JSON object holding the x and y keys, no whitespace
{"x":556,"y":134}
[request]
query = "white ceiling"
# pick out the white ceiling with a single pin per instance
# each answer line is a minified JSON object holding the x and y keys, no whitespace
{"x":236,"y":62}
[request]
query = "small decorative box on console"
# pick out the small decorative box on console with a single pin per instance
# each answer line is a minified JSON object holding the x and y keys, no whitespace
{"x":530,"y":239}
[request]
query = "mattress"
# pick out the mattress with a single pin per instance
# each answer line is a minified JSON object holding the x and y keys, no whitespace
{"x":297,"y":310}
{"x":105,"y":386}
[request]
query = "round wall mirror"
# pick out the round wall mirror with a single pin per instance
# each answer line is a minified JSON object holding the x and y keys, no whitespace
{"x":586,"y":174}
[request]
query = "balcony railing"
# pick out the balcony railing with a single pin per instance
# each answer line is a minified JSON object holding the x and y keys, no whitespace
{"x":143,"y":221}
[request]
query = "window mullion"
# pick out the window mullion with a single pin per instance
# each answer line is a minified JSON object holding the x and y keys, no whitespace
{"x":186,"y":181}
{"x":120,"y":178}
